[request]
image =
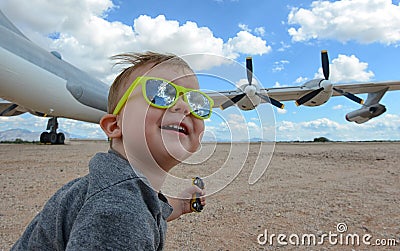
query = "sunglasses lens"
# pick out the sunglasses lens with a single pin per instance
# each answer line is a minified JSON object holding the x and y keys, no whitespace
{"x":199,"y":103}
{"x":160,"y":93}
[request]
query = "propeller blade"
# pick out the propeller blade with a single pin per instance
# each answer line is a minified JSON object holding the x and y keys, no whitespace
{"x":350,"y":96}
{"x":232,"y":101}
{"x":308,"y":96}
{"x":273,"y":102}
{"x":325,"y":63}
{"x":249,"y":67}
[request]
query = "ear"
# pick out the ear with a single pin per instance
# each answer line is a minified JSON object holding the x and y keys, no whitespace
{"x":111,"y":127}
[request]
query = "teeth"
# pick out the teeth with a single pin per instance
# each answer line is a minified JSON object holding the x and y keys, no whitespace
{"x":175,"y":127}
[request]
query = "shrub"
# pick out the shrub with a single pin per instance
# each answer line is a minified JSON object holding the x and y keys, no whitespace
{"x":321,"y":139}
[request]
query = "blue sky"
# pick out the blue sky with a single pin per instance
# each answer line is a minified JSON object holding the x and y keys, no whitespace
{"x":283,"y":37}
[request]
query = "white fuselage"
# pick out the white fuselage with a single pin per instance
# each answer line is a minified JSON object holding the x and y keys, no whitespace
{"x":39,"y":90}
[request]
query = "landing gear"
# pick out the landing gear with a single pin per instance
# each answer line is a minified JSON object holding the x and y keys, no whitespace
{"x":52,"y":137}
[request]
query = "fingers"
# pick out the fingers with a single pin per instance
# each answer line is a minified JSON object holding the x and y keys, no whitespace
{"x":195,"y":189}
{"x":203,"y":200}
{"x":189,"y":192}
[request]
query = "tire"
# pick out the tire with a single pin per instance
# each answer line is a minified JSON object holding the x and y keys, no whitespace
{"x":60,"y":138}
{"x":44,"y":137}
{"x":53,"y":138}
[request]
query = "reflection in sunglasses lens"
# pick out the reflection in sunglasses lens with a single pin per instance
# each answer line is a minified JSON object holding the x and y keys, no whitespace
{"x":162,"y":94}
{"x":199,"y":103}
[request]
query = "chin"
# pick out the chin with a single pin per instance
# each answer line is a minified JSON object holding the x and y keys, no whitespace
{"x":177,"y":152}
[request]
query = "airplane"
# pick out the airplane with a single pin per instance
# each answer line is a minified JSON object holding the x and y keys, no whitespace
{"x":40,"y":82}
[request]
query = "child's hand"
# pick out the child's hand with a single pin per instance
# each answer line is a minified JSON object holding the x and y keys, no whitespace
{"x":182,"y":206}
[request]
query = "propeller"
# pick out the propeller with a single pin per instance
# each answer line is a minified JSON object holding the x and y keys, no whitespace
{"x":309,"y":96}
{"x":349,"y":96}
{"x":232,"y":101}
{"x":325,"y":70}
{"x":237,"y":98}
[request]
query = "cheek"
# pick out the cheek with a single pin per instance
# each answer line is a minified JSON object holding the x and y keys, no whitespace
{"x":199,"y":127}
{"x":152,"y":123}
{"x":153,"y":117}
{"x":136,"y":118}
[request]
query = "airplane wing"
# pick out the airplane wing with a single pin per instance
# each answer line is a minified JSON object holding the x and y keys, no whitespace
{"x":285,"y":93}
{"x":10,"y":109}
{"x":280,"y":93}
{"x":368,"y":87}
{"x":295,"y":92}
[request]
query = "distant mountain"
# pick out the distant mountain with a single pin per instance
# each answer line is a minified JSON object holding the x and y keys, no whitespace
{"x":12,"y":134}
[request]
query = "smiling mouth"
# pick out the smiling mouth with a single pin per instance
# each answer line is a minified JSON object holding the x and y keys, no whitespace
{"x":177,"y":128}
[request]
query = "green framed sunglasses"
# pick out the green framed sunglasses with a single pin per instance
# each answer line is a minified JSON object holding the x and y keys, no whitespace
{"x":163,"y":94}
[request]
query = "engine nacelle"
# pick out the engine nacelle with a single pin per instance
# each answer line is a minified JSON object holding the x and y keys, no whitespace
{"x":366,"y":113}
{"x":323,"y":96}
{"x":249,"y":103}
{"x":251,"y":100}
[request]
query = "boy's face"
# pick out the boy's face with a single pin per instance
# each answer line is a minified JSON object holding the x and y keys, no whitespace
{"x":148,"y":131}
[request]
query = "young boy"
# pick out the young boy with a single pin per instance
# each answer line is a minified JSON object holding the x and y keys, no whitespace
{"x":155,"y":120}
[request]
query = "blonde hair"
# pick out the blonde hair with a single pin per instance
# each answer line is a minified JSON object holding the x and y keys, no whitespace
{"x":136,"y":60}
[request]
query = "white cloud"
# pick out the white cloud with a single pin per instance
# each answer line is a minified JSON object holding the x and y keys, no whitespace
{"x":279,"y":65}
{"x":260,"y":31}
{"x":24,"y":121}
{"x":283,"y":47}
{"x":244,"y":27}
{"x":347,"y":68}
{"x":252,"y":125}
{"x":385,"y":127}
{"x":281,"y":111}
{"x":246,"y":43}
{"x":322,"y":123}
{"x":86,"y":39}
{"x":300,"y":80}
{"x":337,"y":107}
{"x":237,"y":126}
{"x":363,"y":21}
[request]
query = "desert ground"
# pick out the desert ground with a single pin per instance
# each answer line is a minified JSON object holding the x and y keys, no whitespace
{"x":308,"y":189}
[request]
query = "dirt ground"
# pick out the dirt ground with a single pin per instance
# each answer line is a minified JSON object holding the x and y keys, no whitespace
{"x":309,"y":189}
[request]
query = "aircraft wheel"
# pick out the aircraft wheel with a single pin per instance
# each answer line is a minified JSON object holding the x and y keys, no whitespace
{"x":60,"y":138}
{"x":44,"y":137}
{"x":53,"y":138}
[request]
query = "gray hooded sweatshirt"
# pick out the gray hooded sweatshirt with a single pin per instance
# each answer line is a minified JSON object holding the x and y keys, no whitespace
{"x":111,"y":208}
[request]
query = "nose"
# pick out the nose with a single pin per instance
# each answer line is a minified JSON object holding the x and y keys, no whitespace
{"x":181,"y":106}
